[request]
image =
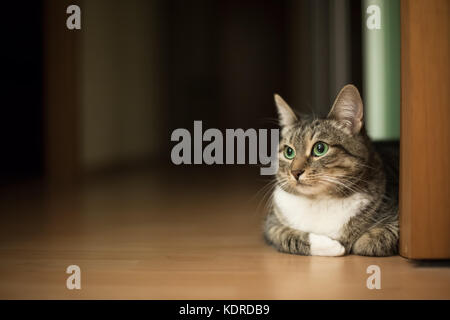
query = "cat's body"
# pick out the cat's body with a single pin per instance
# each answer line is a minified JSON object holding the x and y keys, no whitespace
{"x":334,"y":193}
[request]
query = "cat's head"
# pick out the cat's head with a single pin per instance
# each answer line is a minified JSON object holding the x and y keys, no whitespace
{"x":323,"y":156}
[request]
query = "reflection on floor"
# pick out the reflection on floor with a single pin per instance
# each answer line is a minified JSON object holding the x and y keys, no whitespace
{"x":158,"y":235}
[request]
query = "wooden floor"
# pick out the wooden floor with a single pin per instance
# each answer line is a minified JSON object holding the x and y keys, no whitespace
{"x":150,"y":235}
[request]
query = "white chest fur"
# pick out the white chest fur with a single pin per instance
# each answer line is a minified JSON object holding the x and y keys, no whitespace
{"x":324,"y":216}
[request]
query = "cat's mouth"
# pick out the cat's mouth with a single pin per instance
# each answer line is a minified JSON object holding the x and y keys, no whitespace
{"x":303,"y":184}
{"x":308,"y":188}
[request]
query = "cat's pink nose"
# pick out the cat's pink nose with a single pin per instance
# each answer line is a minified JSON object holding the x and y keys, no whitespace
{"x":297,"y":173}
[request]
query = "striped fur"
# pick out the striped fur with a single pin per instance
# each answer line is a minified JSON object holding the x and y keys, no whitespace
{"x":350,"y":176}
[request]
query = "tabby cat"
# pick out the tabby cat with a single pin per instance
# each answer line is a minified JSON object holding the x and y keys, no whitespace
{"x":334,"y":194}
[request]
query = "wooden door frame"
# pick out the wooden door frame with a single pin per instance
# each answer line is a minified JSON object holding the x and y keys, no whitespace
{"x":425,"y":130}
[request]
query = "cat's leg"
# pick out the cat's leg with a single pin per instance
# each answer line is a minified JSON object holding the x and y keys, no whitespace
{"x":378,"y":241}
{"x":286,"y":239}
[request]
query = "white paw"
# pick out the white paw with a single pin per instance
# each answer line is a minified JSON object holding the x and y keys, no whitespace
{"x":323,"y":246}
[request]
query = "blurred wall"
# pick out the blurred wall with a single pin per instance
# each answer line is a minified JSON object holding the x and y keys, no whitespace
{"x":224,"y":60}
{"x":120,"y":85}
{"x":325,"y":51}
{"x":149,"y":67}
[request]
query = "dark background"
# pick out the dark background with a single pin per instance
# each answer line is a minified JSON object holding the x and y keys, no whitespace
{"x":21,"y":121}
{"x":215,"y":61}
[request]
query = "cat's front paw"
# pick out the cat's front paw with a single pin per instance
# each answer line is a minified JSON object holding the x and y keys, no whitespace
{"x":324,"y":246}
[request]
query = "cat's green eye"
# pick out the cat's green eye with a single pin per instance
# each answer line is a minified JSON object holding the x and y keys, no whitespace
{"x":320,"y":148}
{"x":289,"y":153}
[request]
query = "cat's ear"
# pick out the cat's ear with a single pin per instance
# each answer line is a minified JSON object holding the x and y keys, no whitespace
{"x":286,"y":116}
{"x":348,"y":109}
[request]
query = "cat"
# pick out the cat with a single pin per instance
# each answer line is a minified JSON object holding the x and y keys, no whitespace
{"x":333,"y":195}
